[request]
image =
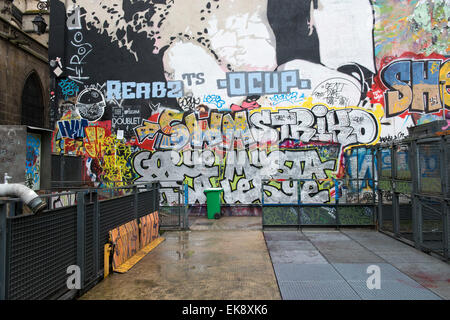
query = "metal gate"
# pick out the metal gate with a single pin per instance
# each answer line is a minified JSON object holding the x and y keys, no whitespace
{"x":350,"y":200}
{"x":37,"y":249}
{"x":173,"y":205}
{"x":335,"y":203}
{"x":414,"y":192}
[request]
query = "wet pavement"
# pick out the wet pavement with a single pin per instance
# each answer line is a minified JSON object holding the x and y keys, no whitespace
{"x":198,"y":265}
{"x":322,"y":264}
{"x":229,"y":259}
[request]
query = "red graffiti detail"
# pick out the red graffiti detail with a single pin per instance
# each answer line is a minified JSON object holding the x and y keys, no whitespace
{"x":376,"y":93}
{"x":245,"y":106}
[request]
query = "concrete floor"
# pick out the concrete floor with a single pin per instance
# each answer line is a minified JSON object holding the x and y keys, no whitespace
{"x":427,"y":270}
{"x":328,"y":264}
{"x":229,"y":259}
{"x":198,"y":265}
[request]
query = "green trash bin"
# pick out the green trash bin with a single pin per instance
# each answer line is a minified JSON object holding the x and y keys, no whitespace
{"x":213,"y":202}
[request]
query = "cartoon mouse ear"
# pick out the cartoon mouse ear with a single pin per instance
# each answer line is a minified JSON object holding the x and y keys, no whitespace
{"x":360,"y":73}
{"x":252,"y":98}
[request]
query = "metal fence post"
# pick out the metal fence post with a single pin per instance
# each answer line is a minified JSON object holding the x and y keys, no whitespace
{"x":336,"y":200}
{"x":445,"y":226}
{"x":445,"y":142}
{"x":379,"y":215}
{"x":3,"y":253}
{"x":396,"y":195}
{"x":414,"y":165}
{"x":81,"y":231}
{"x":135,"y":203}
{"x":299,"y":204}
{"x":186,"y":206}
{"x":262,"y":202}
{"x":443,"y":166}
{"x":156,"y":195}
{"x":179,"y":206}
{"x":419,"y":225}
{"x":374,"y":186}
{"x":96,"y":235}
{"x":395,"y":213}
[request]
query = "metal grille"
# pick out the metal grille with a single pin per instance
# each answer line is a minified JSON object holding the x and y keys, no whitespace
{"x":169,"y":196}
{"x":113,"y":213}
{"x":324,"y":215}
{"x":280,"y":215}
{"x":447,"y":161}
{"x":42,"y":247}
{"x":90,"y":272}
{"x":66,"y":171}
{"x":432,"y":225}
{"x":387,"y":222}
{"x":146,"y":203}
{"x":386,"y":166}
{"x":56,"y":168}
{"x":327,"y":202}
{"x":402,"y":162}
{"x":405,"y":217}
{"x":170,"y":216}
{"x":172,"y":209}
{"x":356,"y":215}
{"x":414,"y":204}
{"x":429,"y":168}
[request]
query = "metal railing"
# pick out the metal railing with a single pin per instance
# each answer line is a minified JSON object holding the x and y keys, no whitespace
{"x":325,"y":202}
{"x":172,"y":198}
{"x":37,"y":249}
{"x":173,"y":205}
{"x":414,"y":192}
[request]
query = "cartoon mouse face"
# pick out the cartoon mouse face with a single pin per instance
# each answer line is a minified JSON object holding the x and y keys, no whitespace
{"x":91,"y":104}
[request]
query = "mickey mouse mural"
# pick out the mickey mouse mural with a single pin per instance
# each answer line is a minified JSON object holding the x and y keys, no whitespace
{"x":91,"y":104}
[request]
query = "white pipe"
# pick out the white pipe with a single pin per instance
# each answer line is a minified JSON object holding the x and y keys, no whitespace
{"x":6,"y":178}
{"x":28,"y":196}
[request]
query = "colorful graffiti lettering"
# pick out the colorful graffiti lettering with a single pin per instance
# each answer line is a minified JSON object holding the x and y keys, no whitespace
{"x":413,"y":84}
{"x":72,"y":128}
{"x":231,"y":95}
{"x":291,"y":98}
{"x":214,"y":99}
{"x":68,"y":88}
{"x":145,"y":90}
{"x":33,"y":163}
{"x":261,"y":83}
{"x":317,"y":124}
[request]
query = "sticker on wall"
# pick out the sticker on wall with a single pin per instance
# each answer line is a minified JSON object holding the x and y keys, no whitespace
{"x":91,"y":104}
{"x":337,"y":92}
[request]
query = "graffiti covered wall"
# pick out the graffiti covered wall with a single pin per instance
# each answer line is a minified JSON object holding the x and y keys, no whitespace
{"x":227,"y":94}
{"x":33,"y":162}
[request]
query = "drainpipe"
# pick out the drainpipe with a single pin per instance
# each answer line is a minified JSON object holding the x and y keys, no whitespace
{"x":28,"y":196}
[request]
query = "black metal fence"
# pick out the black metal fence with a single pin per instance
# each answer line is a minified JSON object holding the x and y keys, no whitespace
{"x":66,"y":171}
{"x":414,"y":191}
{"x":312,"y":202}
{"x":37,"y":249}
{"x":173,"y":205}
